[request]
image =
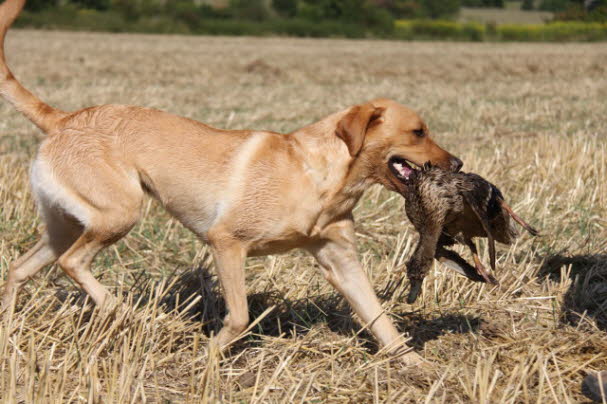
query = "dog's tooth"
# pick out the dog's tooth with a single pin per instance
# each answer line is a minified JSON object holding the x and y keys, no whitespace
{"x":399,"y":167}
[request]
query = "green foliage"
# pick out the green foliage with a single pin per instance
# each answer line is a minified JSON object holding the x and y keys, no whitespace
{"x":37,"y":5}
{"x":285,"y":8}
{"x":404,"y":8}
{"x":313,"y":18}
{"x":423,"y":8}
{"x":366,"y":11}
{"x":70,"y":17}
{"x":93,"y":4}
{"x":527,"y":5}
{"x":554,"y":5}
{"x":449,"y":30}
{"x":348,"y":10}
{"x":440,"y":29}
{"x":185,"y":12}
{"x":255,"y":10}
{"x":596,"y":12}
{"x":598,"y":15}
{"x":320,"y":29}
{"x":483,"y":3}
{"x":440,"y":8}
{"x":127,"y":8}
{"x":361,"y":12}
{"x":554,"y":32}
{"x":380,"y":21}
{"x":491,"y":29}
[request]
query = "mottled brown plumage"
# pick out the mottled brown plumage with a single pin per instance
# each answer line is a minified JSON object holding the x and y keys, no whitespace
{"x":454,"y":207}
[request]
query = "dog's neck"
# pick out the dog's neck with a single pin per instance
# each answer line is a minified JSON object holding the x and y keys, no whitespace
{"x":325,"y":155}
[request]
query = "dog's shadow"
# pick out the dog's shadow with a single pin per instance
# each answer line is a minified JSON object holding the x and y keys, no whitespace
{"x":299,"y":316}
{"x":587,"y":295}
{"x":287,"y":315}
{"x":423,"y":329}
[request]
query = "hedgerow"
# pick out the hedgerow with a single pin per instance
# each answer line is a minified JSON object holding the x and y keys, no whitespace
{"x":73,"y":18}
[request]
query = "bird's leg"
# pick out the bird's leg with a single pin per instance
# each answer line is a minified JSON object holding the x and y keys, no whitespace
{"x":454,"y":261}
{"x":480,"y":269}
{"x":518,"y":219}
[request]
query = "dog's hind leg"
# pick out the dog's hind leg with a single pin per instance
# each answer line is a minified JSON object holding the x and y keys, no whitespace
{"x":25,"y":267}
{"x":106,"y":202}
{"x":104,"y":230}
{"x":60,"y":233}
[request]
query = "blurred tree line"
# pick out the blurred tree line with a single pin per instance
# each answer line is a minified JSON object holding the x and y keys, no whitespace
{"x":368,"y":12}
{"x":374,"y":15}
{"x":577,"y":10}
{"x":483,"y":3}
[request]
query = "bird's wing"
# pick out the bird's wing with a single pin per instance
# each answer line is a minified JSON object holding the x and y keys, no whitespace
{"x":478,"y":211}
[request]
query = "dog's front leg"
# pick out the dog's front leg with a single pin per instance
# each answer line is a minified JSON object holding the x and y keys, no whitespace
{"x":229,"y":256}
{"x":338,"y":259}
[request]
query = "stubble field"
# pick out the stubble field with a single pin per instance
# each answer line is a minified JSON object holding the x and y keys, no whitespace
{"x":531,"y":118}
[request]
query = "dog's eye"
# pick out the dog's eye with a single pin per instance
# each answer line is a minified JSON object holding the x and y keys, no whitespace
{"x":419,"y":132}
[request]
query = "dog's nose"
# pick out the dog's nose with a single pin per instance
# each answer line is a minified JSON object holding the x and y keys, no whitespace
{"x":456,"y":164}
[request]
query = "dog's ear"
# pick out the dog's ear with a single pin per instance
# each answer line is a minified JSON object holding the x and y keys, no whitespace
{"x":353,"y":127}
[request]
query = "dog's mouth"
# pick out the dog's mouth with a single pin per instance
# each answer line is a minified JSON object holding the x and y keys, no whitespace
{"x":402,"y":168}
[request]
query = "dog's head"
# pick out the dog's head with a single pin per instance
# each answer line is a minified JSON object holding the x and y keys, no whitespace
{"x":389,"y":141}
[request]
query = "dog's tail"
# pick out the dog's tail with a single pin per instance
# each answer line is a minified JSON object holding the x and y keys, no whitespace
{"x":41,"y":114}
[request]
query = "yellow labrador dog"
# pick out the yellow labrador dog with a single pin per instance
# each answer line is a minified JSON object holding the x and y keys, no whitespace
{"x":245,"y":192}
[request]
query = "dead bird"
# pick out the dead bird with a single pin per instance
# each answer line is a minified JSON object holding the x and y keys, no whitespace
{"x":454,"y":207}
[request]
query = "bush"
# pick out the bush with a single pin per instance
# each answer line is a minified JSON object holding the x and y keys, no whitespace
{"x":362,"y":12}
{"x":473,"y":32}
{"x":575,"y":31}
{"x":433,"y":29}
{"x":93,"y":4}
{"x":185,"y":12}
{"x":37,"y":5}
{"x":483,"y":3}
{"x":527,"y":5}
{"x":554,"y":32}
{"x":596,"y":12}
{"x":448,"y":30}
{"x":554,"y":5}
{"x":407,"y":9}
{"x":70,"y":17}
{"x":249,"y":9}
{"x":187,"y":18}
{"x":515,"y":32}
{"x":320,"y":29}
{"x":491,"y":29}
{"x":380,"y":22}
{"x":440,"y":8}
{"x":285,"y":8}
{"x":436,"y":29}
